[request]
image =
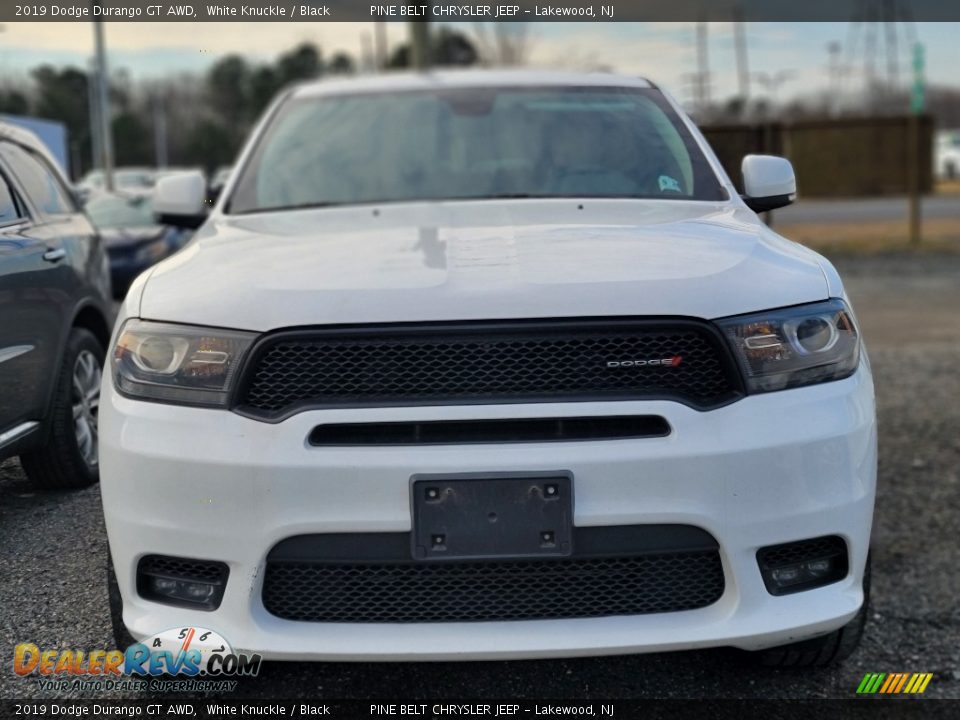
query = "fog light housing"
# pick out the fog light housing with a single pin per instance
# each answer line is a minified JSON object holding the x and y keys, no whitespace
{"x":163,"y":586}
{"x":196,"y":584}
{"x":803,"y":565}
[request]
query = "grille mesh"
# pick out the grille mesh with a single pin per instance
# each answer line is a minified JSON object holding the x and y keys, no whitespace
{"x":492,"y":364}
{"x":406,"y":592}
{"x":776,"y":556}
{"x":184,"y":568}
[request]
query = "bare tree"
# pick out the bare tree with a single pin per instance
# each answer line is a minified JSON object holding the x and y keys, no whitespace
{"x":507,"y":44}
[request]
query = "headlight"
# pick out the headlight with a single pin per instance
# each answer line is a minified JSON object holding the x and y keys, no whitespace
{"x":794,"y":346}
{"x":178,"y":363}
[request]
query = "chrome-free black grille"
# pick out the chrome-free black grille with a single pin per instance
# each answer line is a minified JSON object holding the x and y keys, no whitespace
{"x":519,"y":361}
{"x":491,"y":590}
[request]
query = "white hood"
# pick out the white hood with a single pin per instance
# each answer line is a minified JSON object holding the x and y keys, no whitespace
{"x":480,"y":260}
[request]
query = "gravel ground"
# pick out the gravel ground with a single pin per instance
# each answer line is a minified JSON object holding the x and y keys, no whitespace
{"x":52,"y":590}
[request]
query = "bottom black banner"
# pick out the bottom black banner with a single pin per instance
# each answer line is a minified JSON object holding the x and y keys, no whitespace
{"x":506,"y":709}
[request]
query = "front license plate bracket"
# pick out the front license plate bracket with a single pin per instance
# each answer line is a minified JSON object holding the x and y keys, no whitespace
{"x":512,"y":515}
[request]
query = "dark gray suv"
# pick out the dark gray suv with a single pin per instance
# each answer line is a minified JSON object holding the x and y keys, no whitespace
{"x":55,"y":317}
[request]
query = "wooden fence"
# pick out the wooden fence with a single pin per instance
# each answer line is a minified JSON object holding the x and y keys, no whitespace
{"x":847,"y":157}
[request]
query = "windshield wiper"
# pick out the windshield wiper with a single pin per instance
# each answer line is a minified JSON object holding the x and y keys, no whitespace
{"x":299,"y":206}
{"x":511,"y":196}
{"x":469,"y":198}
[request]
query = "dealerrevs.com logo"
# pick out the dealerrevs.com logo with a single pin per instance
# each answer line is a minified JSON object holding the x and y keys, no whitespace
{"x":894,"y":683}
{"x":197,"y":658}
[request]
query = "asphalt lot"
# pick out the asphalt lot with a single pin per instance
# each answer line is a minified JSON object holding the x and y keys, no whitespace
{"x":813,"y":210}
{"x":52,"y":591}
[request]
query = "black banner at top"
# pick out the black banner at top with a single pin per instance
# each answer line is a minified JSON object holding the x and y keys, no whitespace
{"x":307,"y":11}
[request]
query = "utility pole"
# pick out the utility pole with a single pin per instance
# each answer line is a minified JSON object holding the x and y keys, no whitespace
{"x":918,"y":105}
{"x":420,"y":43}
{"x":368,"y":63}
{"x":743,"y":68}
{"x":103,"y":105}
{"x":93,"y":104}
{"x":893,"y":65}
{"x":870,"y":66}
{"x":876,"y":23}
{"x":159,"y":130}
{"x":834,"y":72}
{"x":380,"y":45}
{"x":703,"y":69}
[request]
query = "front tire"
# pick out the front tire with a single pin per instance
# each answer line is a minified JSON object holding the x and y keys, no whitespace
{"x":69,"y":459}
{"x":827,"y":649}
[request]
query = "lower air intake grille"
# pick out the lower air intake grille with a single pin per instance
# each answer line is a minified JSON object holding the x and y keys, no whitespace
{"x":490,"y":590}
{"x":775,"y":556}
{"x":183,"y":568}
{"x":487,"y":362}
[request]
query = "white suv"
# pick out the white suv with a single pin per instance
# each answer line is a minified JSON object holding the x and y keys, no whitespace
{"x":489,"y":365}
{"x":946,"y":157}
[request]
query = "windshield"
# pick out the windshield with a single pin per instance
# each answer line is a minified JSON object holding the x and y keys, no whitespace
{"x":120,"y":212}
{"x":474,"y":144}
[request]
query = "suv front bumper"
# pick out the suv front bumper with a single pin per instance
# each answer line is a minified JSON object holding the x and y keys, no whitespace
{"x":768,"y":469}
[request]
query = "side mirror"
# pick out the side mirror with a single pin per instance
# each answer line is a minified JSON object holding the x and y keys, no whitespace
{"x":180,"y":200}
{"x":768,"y":182}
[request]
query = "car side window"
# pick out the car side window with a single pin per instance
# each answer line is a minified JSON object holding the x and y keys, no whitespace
{"x":9,"y":212}
{"x":41,"y":184}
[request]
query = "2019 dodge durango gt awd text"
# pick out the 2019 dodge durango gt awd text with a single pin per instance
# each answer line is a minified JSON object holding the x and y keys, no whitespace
{"x":489,"y":365}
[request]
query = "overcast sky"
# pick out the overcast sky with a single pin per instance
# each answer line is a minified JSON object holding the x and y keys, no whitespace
{"x":664,"y":52}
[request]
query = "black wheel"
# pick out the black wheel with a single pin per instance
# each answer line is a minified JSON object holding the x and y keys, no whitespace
{"x":826,"y":649}
{"x":69,"y":458}
{"x":121,"y":636}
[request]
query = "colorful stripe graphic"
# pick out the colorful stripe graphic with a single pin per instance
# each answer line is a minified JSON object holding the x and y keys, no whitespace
{"x":894,"y":683}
